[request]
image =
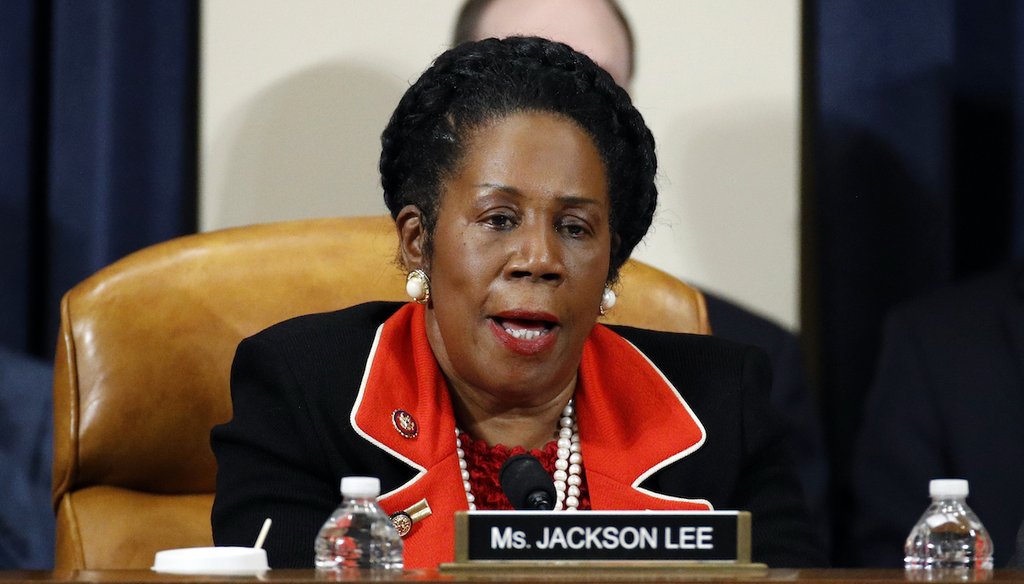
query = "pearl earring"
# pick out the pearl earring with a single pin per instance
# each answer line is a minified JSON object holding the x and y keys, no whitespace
{"x":608,"y":299}
{"x":417,"y":286}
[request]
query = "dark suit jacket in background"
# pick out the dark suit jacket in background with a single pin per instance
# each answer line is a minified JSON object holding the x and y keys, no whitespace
{"x":947,"y":402}
{"x":26,"y":454}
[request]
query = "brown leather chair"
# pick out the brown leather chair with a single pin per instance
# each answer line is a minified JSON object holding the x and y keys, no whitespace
{"x":144,"y":353}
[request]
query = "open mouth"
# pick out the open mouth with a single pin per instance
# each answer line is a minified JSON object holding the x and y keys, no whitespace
{"x":525,"y":329}
{"x":527,"y":333}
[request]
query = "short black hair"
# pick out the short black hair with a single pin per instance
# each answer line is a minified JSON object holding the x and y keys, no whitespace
{"x":478,"y":82}
{"x":469,"y":19}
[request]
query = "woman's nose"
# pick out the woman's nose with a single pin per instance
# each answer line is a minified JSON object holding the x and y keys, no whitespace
{"x":536,"y":254}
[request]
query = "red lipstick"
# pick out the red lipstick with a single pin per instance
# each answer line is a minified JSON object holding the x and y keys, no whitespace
{"x":525,"y":332}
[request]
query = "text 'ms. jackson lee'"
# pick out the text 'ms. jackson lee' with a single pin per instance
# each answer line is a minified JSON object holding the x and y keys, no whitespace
{"x":716,"y":536}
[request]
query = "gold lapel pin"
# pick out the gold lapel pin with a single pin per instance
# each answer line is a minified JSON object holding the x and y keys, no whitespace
{"x":405,"y":424}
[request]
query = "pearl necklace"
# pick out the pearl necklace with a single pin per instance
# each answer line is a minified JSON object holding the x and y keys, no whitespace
{"x":568,"y":463}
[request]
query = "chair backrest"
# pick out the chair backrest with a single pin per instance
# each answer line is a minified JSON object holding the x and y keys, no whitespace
{"x":144,"y":354}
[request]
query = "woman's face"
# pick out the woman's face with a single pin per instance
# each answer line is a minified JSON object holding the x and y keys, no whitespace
{"x":521,"y":253}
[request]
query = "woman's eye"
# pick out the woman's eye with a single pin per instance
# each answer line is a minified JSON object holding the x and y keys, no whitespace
{"x":499,"y":221}
{"x":574,"y":230}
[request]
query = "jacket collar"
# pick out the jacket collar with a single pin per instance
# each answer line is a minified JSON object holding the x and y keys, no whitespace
{"x":632,"y":423}
{"x":402,"y":382}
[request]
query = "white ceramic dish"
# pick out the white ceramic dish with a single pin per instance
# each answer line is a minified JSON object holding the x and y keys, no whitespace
{"x":219,"y":561}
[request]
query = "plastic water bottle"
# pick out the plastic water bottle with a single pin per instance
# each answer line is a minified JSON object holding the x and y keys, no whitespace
{"x":949,"y":540}
{"x":359,"y":534}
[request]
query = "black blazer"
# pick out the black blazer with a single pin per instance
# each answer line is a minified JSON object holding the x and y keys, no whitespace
{"x":791,"y":394}
{"x":290,"y":442}
{"x":947,"y":402}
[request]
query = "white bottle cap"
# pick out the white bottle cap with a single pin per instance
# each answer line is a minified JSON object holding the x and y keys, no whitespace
{"x":360,"y":487}
{"x":942,"y":488}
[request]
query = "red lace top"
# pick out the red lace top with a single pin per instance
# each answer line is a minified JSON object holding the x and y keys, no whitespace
{"x":484,"y":463}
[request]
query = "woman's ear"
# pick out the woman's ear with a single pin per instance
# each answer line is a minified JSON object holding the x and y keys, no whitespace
{"x":411,"y":237}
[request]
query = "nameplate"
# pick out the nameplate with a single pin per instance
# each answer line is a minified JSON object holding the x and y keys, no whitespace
{"x":602,"y":537}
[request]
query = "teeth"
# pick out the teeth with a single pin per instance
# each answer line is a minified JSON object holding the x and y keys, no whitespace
{"x":525,"y":334}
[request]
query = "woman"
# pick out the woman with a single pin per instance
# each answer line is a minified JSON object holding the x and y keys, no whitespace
{"x":520,"y":178}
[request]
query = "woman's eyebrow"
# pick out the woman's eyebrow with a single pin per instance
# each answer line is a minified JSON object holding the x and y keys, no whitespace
{"x":577,"y":200}
{"x":499,"y":187}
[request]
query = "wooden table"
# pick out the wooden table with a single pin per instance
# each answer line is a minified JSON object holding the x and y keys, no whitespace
{"x":688,"y":576}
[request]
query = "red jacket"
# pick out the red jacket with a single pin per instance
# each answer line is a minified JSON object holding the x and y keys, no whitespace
{"x":616,"y":456}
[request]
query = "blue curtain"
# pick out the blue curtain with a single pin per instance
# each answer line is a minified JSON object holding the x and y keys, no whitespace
{"x":913,"y":175}
{"x":98,"y":144}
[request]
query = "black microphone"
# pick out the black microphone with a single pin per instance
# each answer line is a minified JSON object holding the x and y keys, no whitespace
{"x":526,"y":484}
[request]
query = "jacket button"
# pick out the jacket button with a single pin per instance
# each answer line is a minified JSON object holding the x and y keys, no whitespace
{"x":402,"y":523}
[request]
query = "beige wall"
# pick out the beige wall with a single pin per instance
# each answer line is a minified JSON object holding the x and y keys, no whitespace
{"x":294,"y":95}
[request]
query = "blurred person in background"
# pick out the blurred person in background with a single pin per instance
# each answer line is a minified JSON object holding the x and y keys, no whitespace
{"x":26,"y":445}
{"x":947,"y":402}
